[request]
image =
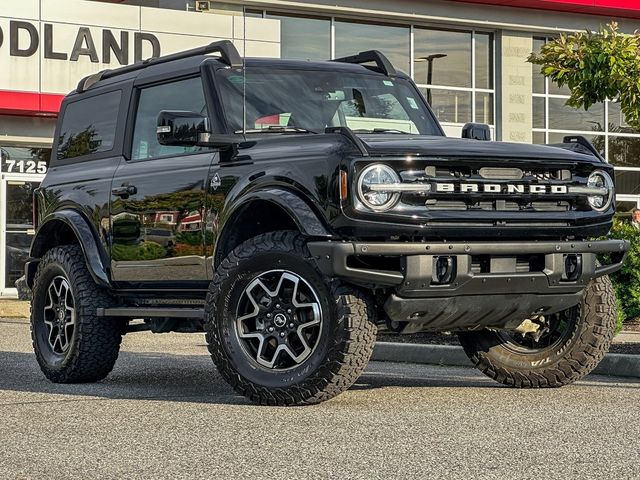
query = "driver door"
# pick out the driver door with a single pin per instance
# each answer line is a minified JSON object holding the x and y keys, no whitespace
{"x":158,"y":195}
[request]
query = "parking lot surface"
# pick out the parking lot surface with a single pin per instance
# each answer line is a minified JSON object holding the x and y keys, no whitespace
{"x":164,"y":412}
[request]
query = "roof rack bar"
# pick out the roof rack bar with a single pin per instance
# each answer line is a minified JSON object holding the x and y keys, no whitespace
{"x":228,"y":54}
{"x":380,"y":60}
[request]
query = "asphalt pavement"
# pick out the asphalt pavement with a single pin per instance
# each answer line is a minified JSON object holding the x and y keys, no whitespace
{"x":164,"y":412}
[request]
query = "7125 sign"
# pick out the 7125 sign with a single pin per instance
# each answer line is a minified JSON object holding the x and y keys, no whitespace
{"x":24,"y":166}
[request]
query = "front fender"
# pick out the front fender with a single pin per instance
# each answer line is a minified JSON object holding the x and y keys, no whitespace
{"x":307,"y":221}
{"x":48,"y":235}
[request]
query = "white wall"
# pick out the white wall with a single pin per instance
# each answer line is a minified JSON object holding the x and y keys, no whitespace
{"x":175,"y":31}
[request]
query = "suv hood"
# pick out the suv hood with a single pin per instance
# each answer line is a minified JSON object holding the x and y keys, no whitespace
{"x":421,"y":145}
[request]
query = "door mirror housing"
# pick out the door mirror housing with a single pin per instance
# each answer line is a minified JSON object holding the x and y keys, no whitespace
{"x":181,"y":128}
{"x":476,"y":131}
{"x":188,"y":129}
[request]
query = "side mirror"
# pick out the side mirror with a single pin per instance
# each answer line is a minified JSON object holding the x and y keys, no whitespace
{"x":181,"y":128}
{"x":476,"y":131}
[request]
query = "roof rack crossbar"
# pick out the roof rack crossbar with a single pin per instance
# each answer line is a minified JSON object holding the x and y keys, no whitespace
{"x":380,"y":60}
{"x":228,"y":54}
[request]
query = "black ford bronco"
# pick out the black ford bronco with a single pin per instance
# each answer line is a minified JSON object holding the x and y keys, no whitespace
{"x":290,"y":209}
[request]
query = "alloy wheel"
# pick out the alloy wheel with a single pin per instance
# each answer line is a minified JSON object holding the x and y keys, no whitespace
{"x":59,"y":315}
{"x":279,"y":319}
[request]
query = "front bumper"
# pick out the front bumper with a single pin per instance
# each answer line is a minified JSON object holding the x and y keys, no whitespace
{"x":490,"y":285}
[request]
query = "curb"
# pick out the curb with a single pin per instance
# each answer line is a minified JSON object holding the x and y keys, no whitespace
{"x":613,"y":364}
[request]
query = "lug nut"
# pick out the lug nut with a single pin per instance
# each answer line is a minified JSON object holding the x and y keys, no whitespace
{"x":271,"y":329}
{"x":288,"y":310}
{"x":277,"y":305}
{"x":282,"y":334}
{"x":291,"y":325}
{"x":268,"y":315}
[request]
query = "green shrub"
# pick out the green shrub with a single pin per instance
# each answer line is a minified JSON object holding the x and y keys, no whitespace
{"x":626,"y":281}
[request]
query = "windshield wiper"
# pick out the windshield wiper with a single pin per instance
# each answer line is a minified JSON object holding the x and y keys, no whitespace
{"x":276,"y":129}
{"x":381,"y":130}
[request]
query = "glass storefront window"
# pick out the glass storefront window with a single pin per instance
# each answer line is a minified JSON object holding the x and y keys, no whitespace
{"x":452,"y":70}
{"x":484,"y":60}
{"x":563,"y":117}
{"x":538,"y":79}
{"x":393,"y":41}
{"x":539,"y":138}
{"x":450,"y":106}
{"x":484,"y":108}
{"x":624,"y":208}
{"x":627,"y":182}
{"x":304,"y":37}
{"x":624,"y":151}
{"x":538,"y":112}
{"x":617,"y":122}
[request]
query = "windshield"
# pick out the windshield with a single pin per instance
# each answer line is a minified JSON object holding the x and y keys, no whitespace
{"x":299,"y":100}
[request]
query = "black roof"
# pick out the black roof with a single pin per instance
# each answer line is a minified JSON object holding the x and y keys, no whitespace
{"x":169,"y":65}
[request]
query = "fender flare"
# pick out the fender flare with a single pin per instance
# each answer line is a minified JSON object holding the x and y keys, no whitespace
{"x":93,"y":251}
{"x":305,"y":219}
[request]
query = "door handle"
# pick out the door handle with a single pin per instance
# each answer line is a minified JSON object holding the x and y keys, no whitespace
{"x":124,"y":191}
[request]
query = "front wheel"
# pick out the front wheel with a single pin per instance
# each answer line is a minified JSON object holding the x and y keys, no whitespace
{"x":568,"y":346}
{"x":278,"y":331}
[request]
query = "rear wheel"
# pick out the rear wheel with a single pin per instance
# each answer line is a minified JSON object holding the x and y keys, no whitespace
{"x":278,"y":331}
{"x":568,"y":345}
{"x":71,"y":343}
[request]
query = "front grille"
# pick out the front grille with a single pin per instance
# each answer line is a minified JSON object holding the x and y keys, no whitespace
{"x":455,"y":199}
{"x":498,"y":206}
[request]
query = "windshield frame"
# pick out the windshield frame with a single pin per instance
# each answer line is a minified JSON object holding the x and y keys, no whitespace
{"x":312,"y":66}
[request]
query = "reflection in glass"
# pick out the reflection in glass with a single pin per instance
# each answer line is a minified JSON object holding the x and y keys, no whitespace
{"x":624,"y":209}
{"x":18,"y":207}
{"x":538,"y":138}
{"x":454,"y":69}
{"x":392,"y":41}
{"x":361,"y":102}
{"x":17,"y":253}
{"x":624,"y":151}
{"x":563,"y":117}
{"x":484,"y":60}
{"x":82,"y":131}
{"x":538,"y":112}
{"x":554,"y":89}
{"x":538,"y":78}
{"x":484,"y":108}
{"x":451,"y":106}
{"x":304,"y":38}
{"x":627,"y":182}
{"x":617,"y":122}
{"x":185,"y":95}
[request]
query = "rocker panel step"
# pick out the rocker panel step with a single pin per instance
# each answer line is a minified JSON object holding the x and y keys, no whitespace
{"x":137,"y":312}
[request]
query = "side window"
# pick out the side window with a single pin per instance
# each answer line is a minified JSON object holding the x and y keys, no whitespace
{"x":186,"y":95}
{"x":89,"y":125}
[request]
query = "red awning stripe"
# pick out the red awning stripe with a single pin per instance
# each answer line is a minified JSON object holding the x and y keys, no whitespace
{"x":29,"y":103}
{"x":614,"y":8}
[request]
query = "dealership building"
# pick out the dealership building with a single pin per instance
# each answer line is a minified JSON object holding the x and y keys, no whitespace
{"x":468,"y":57}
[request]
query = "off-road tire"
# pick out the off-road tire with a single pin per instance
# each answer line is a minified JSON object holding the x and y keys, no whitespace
{"x":95,"y":343}
{"x":343,"y":348}
{"x":586,"y":344}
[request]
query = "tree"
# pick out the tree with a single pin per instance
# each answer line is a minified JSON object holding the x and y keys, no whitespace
{"x":596,"y":66}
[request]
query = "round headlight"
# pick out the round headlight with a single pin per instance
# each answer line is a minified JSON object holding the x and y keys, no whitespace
{"x":601,"y":180}
{"x":372,"y":196}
